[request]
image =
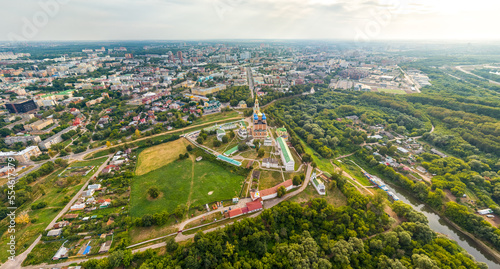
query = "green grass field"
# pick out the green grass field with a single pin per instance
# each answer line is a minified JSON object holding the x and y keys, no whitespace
{"x":354,"y":171}
{"x":198,"y":126}
{"x":323,"y":164}
{"x":217,"y":117}
{"x":269,"y":179}
{"x":334,"y":197}
{"x":95,"y":162}
{"x":183,"y":182}
{"x":157,"y":156}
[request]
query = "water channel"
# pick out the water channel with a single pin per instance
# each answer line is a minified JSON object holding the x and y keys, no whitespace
{"x":441,"y":226}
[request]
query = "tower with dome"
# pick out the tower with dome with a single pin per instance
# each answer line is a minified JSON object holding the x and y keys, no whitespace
{"x":259,"y":129}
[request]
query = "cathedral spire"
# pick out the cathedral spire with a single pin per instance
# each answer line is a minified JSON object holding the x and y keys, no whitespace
{"x":256,"y":108}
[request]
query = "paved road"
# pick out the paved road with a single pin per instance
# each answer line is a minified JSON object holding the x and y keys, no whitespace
{"x":410,"y":79}
{"x":73,"y":200}
{"x":20,"y":258}
{"x":470,"y":73}
{"x":168,"y":132}
{"x":274,"y":202}
{"x":250,"y":80}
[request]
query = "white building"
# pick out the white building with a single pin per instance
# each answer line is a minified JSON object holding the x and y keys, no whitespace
{"x":270,"y":163}
{"x":220,"y":134}
{"x":318,"y":184}
{"x":242,"y":132}
{"x":47,"y":143}
{"x":11,"y":140}
{"x":286,"y":155}
{"x":22,"y":156}
{"x":268,"y":142}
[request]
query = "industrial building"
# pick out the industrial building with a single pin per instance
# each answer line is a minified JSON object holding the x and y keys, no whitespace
{"x":21,"y":106}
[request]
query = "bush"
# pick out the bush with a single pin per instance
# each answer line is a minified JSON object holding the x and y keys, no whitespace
{"x":38,"y":205}
{"x":154,"y":192}
{"x":171,"y":245}
{"x":281,"y":191}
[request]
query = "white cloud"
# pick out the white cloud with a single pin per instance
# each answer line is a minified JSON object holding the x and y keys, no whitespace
{"x":272,"y":19}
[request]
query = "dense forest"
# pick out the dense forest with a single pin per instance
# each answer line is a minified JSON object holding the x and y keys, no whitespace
{"x":467,"y":127}
{"x":317,"y":235}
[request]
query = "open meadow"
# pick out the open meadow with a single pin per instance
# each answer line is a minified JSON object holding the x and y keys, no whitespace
{"x":157,"y":156}
{"x":182,"y":182}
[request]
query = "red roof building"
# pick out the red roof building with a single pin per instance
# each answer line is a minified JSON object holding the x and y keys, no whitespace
{"x":235,"y":212}
{"x":254,"y":206}
{"x":77,"y":122}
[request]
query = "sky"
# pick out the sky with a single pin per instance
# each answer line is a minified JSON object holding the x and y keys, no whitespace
{"x":363,"y":20}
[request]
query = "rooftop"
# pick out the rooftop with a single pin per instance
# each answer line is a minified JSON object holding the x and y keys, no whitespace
{"x":285,"y":150}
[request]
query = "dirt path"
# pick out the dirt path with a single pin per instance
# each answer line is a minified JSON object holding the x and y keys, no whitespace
{"x":353,"y":181}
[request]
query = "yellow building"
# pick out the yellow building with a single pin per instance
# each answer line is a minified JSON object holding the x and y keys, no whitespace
{"x":205,"y":91}
{"x":38,"y":125}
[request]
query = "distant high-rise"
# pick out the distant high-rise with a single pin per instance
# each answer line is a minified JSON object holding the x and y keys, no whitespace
{"x":179,"y":55}
{"x":245,"y":55}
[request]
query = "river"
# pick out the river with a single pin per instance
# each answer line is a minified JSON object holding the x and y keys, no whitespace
{"x":441,"y":226}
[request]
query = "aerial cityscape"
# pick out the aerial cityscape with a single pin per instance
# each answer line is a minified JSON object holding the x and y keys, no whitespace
{"x":202,"y":138}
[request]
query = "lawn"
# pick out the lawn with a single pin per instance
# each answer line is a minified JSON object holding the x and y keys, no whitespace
{"x":217,"y":117}
{"x":183,"y":182}
{"x":155,"y":157}
{"x":334,"y":197}
{"x":174,"y":182}
{"x":393,"y":91}
{"x":348,"y":166}
{"x":269,"y":179}
{"x":210,"y":177}
{"x":323,"y":164}
{"x":139,"y":234}
{"x":94,"y":162}
{"x":167,"y":135}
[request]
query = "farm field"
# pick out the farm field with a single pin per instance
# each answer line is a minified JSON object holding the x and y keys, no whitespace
{"x":157,"y":156}
{"x":183,"y":182}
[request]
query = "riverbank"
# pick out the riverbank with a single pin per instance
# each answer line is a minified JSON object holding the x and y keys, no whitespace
{"x":493,"y":252}
{"x":493,"y":256}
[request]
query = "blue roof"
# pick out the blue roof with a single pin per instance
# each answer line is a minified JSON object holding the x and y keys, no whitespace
{"x":263,"y":116}
{"x":255,"y":117}
{"x":86,"y":251}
